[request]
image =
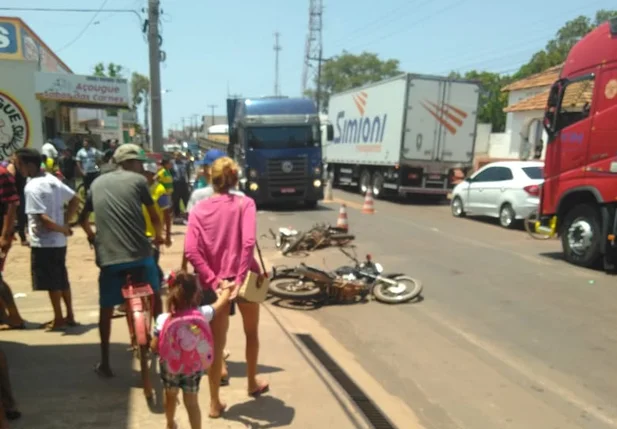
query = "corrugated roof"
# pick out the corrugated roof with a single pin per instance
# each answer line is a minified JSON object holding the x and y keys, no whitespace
{"x":545,"y":78}
{"x":577,"y":94}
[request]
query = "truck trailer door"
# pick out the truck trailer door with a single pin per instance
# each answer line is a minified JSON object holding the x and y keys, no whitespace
{"x":458,"y":132}
{"x":422,"y":126}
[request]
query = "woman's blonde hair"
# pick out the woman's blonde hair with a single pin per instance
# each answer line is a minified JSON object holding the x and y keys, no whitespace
{"x":224,"y":174}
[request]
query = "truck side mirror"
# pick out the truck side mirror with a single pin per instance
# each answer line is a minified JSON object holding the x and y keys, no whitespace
{"x":330,"y":133}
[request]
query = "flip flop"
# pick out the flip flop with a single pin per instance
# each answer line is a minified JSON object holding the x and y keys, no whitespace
{"x":260,"y":391}
{"x":221,"y":412}
{"x":51,"y":328}
{"x":9,"y":327}
{"x":101,"y":373}
{"x":224,"y":381}
{"x":72,"y":323}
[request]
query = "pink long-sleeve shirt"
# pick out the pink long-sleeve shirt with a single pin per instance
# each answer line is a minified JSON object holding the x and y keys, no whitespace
{"x":220,"y":239}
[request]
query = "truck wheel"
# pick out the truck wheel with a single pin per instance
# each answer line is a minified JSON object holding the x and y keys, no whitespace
{"x":364,"y":182}
{"x":581,"y":236}
{"x":377,"y":184}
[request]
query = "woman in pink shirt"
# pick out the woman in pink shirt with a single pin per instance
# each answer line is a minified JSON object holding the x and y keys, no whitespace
{"x":220,"y":244}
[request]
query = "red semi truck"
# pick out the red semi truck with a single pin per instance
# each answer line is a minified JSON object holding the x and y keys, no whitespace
{"x":579,"y":194}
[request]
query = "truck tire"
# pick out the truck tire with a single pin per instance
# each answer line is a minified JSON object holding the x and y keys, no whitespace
{"x":364,"y":182}
{"x":377,"y":185}
{"x":581,"y":236}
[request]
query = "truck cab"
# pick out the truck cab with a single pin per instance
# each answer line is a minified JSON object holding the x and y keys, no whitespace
{"x":277,"y":143}
{"x":580,"y":187}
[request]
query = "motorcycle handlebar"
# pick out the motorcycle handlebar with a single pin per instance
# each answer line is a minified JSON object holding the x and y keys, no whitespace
{"x":353,"y":258}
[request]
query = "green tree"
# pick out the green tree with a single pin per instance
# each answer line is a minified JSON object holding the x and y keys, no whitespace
{"x":347,"y":71}
{"x":111,"y":70}
{"x":492,"y":99}
{"x":557,"y":49}
{"x":140,"y":90}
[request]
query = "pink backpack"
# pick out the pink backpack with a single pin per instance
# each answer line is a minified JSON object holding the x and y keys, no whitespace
{"x":185,"y":343}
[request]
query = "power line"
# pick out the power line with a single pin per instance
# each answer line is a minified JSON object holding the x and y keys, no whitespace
{"x":83,"y":31}
{"x":372,"y":23}
{"x":413,"y":24}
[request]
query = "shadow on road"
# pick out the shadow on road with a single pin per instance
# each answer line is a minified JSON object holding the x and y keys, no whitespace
{"x":238,"y":369}
{"x":57,"y":388}
{"x":265,"y":412}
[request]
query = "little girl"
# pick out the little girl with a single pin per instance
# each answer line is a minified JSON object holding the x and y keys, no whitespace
{"x":183,"y":340}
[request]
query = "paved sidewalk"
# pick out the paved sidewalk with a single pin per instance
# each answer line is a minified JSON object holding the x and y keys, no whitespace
{"x":56,"y":387}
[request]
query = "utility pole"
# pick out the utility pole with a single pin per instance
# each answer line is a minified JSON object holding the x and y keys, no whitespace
{"x":212,"y":107}
{"x":314,"y":42}
{"x":147,"y":119}
{"x":277,"y":50}
{"x":156,"y":55}
{"x":183,"y":129}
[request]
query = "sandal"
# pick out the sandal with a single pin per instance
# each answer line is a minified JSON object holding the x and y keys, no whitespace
{"x":224,"y":381}
{"x":9,"y":327}
{"x":260,"y":391}
{"x":221,"y":412}
{"x":98,"y":369}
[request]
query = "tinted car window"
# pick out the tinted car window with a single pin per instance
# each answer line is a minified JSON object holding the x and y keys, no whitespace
{"x":534,"y":172}
{"x":504,"y":173}
{"x":487,"y":175}
{"x":494,"y":174}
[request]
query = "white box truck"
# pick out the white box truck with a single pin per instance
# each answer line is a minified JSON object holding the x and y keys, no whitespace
{"x":408,"y":134}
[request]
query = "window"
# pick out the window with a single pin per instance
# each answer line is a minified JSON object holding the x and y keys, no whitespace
{"x":281,"y":137}
{"x":494,"y":174}
{"x":534,"y":172}
{"x":575,"y":102}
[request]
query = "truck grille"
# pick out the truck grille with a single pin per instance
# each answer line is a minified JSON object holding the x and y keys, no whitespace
{"x":280,"y":176}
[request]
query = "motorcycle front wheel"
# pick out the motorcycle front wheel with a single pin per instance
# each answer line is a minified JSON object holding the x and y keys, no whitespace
{"x":293,"y":288}
{"x":406,"y":289}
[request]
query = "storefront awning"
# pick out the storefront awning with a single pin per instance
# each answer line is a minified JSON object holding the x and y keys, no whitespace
{"x":83,"y":91}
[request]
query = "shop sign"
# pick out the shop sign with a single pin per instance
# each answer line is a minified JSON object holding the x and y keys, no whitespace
{"x":79,"y":89}
{"x":8,"y":39}
{"x":14,"y":126}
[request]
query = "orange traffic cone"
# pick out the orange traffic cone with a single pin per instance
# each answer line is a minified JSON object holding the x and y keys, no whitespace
{"x":341,"y":221}
{"x":368,"y":207}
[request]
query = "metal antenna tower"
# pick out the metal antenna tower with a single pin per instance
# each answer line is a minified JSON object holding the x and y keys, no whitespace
{"x":277,"y":49}
{"x":313,"y":48}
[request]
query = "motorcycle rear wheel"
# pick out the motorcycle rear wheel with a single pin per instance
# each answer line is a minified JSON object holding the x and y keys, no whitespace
{"x":293,"y":288}
{"x":384,"y":292}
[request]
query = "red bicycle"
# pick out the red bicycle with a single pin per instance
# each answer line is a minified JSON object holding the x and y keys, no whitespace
{"x":139,"y":298}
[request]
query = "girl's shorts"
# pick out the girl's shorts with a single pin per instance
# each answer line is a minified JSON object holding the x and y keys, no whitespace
{"x":188,"y":383}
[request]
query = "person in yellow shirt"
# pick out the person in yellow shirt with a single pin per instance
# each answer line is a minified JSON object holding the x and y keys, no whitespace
{"x":165,"y":177}
{"x":162,"y":206}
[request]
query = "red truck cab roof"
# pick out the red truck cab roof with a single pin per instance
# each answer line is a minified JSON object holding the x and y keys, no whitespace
{"x":596,"y":49}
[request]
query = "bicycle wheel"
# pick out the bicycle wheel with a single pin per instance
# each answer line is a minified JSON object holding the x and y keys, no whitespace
{"x":144,"y":367}
{"x":81,"y":194}
{"x":531,"y":222}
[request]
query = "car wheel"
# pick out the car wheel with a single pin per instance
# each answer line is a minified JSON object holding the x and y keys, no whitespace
{"x":507,"y":216}
{"x":457,"y":207}
{"x":581,"y":236}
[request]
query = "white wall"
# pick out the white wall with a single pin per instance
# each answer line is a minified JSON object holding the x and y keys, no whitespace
{"x":17,"y":83}
{"x":483,"y":135}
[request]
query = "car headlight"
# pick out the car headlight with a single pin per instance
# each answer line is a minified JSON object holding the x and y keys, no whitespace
{"x":317,"y":171}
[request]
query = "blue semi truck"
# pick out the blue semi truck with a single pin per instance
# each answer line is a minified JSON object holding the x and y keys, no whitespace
{"x":277,"y":143}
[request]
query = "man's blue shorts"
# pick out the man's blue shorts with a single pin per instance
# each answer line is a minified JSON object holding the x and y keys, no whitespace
{"x":111,"y":280}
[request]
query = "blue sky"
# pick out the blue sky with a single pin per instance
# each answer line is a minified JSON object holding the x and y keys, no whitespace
{"x":213,"y":45}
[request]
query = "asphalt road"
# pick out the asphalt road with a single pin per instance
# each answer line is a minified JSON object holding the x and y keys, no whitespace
{"x":507,"y":336}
